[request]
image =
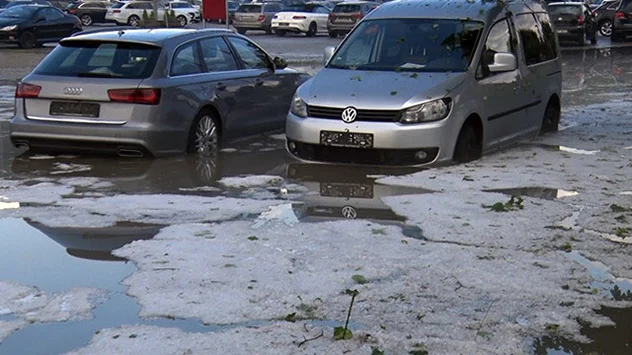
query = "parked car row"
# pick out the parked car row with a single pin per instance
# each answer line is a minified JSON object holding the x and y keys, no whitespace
{"x":410,"y":85}
{"x":31,"y":26}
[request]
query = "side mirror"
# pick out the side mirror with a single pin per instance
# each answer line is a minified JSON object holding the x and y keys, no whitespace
{"x":503,"y":62}
{"x":279,"y":63}
{"x":329,"y":52}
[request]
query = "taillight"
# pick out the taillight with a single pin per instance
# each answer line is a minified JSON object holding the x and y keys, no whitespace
{"x":135,"y":96}
{"x":116,"y":11}
{"x":580,"y":20}
{"x":27,"y":91}
{"x":619,"y":15}
{"x":261,"y":18}
{"x":332,"y":15}
{"x":299,"y":17}
{"x":72,"y":11}
{"x":356,"y":16}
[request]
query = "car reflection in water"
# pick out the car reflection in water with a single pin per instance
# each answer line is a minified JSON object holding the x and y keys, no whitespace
{"x":343,"y":192}
{"x":97,"y":243}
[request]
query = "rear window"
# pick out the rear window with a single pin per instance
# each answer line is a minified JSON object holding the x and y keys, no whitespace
{"x":100,"y":60}
{"x":347,"y":8}
{"x":250,"y":8}
{"x":117,"y":5}
{"x":558,"y":10}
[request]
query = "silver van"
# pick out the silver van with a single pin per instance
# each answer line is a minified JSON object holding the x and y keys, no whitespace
{"x":419,"y":82}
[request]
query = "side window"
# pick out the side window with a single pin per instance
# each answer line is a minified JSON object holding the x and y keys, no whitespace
{"x":321,"y":10}
{"x":50,"y":14}
{"x":185,"y":60}
{"x":549,"y":47}
{"x":498,"y":41}
{"x":146,"y":6}
{"x":131,"y":7}
{"x":217,"y":55}
{"x":251,"y":55}
{"x":531,"y":38}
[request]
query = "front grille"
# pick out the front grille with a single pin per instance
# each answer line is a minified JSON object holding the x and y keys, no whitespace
{"x":332,"y":113}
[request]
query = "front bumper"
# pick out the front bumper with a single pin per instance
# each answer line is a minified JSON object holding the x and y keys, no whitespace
{"x":393,"y":143}
{"x":9,"y":36}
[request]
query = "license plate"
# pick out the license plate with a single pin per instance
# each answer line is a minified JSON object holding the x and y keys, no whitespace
{"x":346,"y":139}
{"x":346,"y":190}
{"x":284,"y":24}
{"x":81,"y":109}
{"x":562,"y":31}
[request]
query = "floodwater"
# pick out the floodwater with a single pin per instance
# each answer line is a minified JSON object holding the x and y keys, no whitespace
{"x":56,"y":259}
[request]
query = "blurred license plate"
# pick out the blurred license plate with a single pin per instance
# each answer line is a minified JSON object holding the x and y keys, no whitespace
{"x":346,"y":190}
{"x":284,"y":24}
{"x":82,"y":109}
{"x":346,"y":139}
{"x":562,"y":31}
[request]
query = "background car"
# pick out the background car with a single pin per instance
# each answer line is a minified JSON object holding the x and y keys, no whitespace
{"x":604,"y":15}
{"x":7,"y":4}
{"x":573,"y":21}
{"x":89,"y":12}
{"x":255,"y":16}
{"x":159,"y":92}
{"x":310,"y":18}
{"x":622,"y":25}
{"x":181,"y":7}
{"x":346,"y":14}
{"x":32,"y":25}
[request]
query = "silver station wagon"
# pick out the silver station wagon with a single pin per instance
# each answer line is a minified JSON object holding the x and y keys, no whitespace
{"x":426,"y":81}
{"x":139,"y":91}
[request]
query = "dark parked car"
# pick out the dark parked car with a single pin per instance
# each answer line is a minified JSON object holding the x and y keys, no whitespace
{"x":4,"y":4}
{"x":622,"y":25}
{"x":160,"y":92}
{"x":89,"y":12}
{"x":573,"y":21}
{"x":346,"y":14}
{"x":604,"y":15}
{"x":32,"y":25}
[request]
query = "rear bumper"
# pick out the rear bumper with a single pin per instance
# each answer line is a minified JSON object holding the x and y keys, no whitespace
{"x":569,"y":32}
{"x":340,"y":27}
{"x":250,"y":25}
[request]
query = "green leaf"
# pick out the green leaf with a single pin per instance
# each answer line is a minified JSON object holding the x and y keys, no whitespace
{"x":414,"y":75}
{"x":252,"y":237}
{"x":616,"y":208}
{"x":341,"y":333}
{"x":359,"y":279}
{"x":352,"y":292}
{"x":376,"y":351}
{"x":550,"y":327}
{"x":291,"y":317}
{"x":393,"y":93}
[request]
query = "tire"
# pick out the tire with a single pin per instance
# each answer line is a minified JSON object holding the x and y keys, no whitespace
{"x":551,"y":119}
{"x":280,"y":33}
{"x":241,"y":31}
{"x":204,"y":138}
{"x":182,"y":21}
{"x":605,"y":28}
{"x":468,"y":146}
{"x":311,"y":32}
{"x":333,"y":34}
{"x":27,"y":40}
{"x":133,"y":21}
{"x":86,"y":20}
{"x":268,"y":30}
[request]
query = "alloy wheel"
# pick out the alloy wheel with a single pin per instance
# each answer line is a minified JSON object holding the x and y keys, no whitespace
{"x":606,"y":28}
{"x":86,"y":20}
{"x":206,"y":136}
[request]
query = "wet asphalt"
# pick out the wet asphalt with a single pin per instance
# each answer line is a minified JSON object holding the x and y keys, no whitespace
{"x":595,"y":74}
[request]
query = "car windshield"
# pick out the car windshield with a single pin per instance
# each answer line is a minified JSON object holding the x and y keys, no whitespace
{"x":100,"y":59}
{"x":19,"y":12}
{"x":250,"y":8}
{"x":559,"y":10}
{"x":433,"y":45}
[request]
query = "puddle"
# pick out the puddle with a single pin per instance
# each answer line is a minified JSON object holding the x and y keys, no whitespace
{"x":536,"y":192}
{"x":615,"y":339}
{"x":603,"y":281}
{"x":7,"y":94}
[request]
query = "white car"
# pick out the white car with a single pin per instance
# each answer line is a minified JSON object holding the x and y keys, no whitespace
{"x":131,"y":12}
{"x":310,"y":19}
{"x":183,"y":6}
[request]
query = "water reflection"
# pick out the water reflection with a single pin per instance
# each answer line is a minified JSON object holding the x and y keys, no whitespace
{"x":615,"y":339}
{"x":97,"y":243}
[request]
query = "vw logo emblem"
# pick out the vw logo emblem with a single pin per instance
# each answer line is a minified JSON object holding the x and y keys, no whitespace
{"x":73,"y":91}
{"x":349,"y":212}
{"x":349,"y":114}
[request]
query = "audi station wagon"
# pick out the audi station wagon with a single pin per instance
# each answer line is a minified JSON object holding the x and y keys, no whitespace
{"x":152,"y":92}
{"x":428,"y":81}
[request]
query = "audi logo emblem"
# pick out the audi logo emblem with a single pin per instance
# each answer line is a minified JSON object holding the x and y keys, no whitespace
{"x":73,"y":91}
{"x":349,"y":114}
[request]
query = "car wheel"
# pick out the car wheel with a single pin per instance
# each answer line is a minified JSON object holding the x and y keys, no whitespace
{"x":551,"y":119}
{"x":606,"y":28}
{"x":204,"y":140}
{"x":182,"y":21}
{"x":86,"y":20}
{"x":27,"y":40}
{"x":268,"y":30}
{"x":133,"y":21}
{"x":241,"y":31}
{"x":311,"y":32}
{"x":468,"y":146}
{"x":280,"y":33}
{"x":333,"y":34}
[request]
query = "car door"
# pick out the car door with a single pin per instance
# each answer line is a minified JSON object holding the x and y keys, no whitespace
{"x":96,"y":10}
{"x":500,"y":91}
{"x":272,"y":91}
{"x":47,"y":24}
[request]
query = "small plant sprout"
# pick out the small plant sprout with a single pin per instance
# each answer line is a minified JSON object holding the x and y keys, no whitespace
{"x":341,"y":333}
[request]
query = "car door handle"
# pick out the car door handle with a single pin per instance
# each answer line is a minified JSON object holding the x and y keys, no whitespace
{"x":220,"y":86}
{"x":258,"y":83}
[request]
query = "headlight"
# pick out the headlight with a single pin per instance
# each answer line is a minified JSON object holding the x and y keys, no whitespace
{"x":9,"y":28}
{"x":298,"y":107}
{"x":430,"y":111}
